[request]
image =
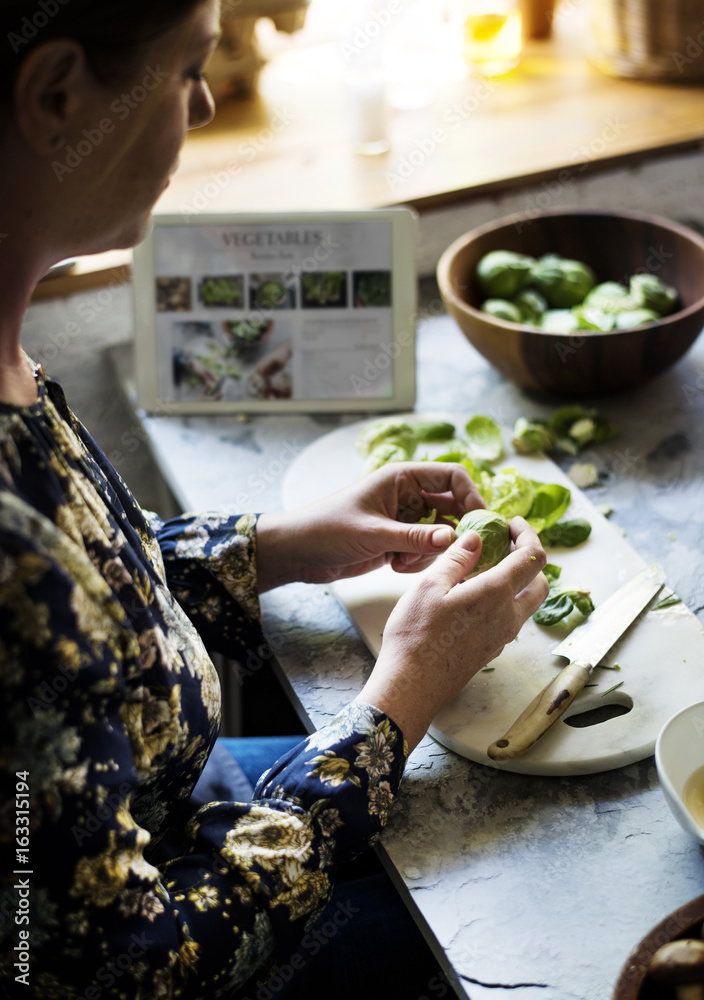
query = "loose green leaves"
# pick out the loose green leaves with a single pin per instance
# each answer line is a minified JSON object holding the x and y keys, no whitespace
{"x":570,"y":429}
{"x":550,"y":501}
{"x":561,"y":603}
{"x":485,"y":438}
{"x":530,"y":436}
{"x":393,"y":440}
{"x":567,"y":533}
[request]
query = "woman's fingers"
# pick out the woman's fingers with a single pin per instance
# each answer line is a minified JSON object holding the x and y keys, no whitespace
{"x":422,"y":485}
{"x":458,"y":561}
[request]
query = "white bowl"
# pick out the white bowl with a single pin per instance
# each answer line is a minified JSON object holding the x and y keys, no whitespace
{"x":679,"y":752}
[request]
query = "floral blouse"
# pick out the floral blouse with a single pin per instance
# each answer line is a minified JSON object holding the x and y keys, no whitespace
{"x":109,"y":708}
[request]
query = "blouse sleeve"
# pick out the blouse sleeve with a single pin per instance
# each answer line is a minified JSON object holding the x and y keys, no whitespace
{"x":103,"y":920}
{"x":210,"y":565}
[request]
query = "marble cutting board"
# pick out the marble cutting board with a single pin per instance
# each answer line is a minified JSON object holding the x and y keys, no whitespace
{"x":661,"y":658}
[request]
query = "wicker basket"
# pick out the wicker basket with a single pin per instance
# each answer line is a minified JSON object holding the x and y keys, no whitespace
{"x":649,"y":39}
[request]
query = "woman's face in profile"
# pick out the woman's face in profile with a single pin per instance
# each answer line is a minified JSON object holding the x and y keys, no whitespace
{"x":132,"y":132}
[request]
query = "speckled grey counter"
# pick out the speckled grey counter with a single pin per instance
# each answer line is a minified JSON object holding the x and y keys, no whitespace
{"x":530,"y":887}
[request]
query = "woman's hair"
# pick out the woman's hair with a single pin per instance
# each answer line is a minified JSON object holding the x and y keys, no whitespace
{"x":111,"y":32}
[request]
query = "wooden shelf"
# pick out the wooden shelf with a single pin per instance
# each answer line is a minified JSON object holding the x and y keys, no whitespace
{"x":554,"y":117}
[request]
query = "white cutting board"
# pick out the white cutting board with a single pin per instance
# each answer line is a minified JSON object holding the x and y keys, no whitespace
{"x":661,"y":660}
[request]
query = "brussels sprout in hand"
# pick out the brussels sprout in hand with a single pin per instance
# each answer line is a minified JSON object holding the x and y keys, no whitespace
{"x":563,"y":282}
{"x":501,"y":273}
{"x":495,"y":533}
{"x":650,"y":292}
{"x":502,"y":309}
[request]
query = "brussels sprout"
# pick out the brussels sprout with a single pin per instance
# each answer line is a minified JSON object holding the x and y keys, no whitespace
{"x":495,"y":533}
{"x":650,"y":292}
{"x":501,"y":273}
{"x":485,"y":438}
{"x":563,"y":282}
{"x":530,"y":436}
{"x":532,"y":305}
{"x":591,"y":318}
{"x":559,"y":321}
{"x":573,"y":427}
{"x":508,"y":493}
{"x":630,"y":318}
{"x":609,"y":297}
{"x":502,"y":309}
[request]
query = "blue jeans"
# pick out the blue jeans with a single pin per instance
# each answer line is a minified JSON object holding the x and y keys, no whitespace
{"x":365,"y":945}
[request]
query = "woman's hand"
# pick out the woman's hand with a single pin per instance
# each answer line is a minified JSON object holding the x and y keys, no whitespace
{"x":444,"y":629}
{"x":365,"y":525}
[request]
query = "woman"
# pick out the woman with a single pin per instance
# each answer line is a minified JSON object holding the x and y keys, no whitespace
{"x":113,"y":883}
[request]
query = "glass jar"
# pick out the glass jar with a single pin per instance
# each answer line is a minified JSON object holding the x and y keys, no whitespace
{"x":492,"y":38}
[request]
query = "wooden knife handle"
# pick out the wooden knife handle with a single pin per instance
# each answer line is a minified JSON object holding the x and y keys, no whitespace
{"x":545,"y":709}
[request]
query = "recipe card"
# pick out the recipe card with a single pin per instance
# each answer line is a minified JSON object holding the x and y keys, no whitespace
{"x":277,"y":312}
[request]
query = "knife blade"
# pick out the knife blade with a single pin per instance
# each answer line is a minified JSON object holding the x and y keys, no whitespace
{"x":585,"y":648}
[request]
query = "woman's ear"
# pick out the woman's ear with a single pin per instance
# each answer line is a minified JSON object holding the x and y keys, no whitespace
{"x":49,"y":90}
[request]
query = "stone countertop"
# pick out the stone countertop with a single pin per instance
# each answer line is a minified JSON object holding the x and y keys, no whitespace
{"x":530,"y":887}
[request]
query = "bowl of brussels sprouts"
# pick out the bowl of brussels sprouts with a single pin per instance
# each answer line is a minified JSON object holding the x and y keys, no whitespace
{"x":577,"y":303}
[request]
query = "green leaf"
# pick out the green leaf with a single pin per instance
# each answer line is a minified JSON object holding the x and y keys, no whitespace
{"x":552,"y":572}
{"x":429,"y":518}
{"x":550,"y":501}
{"x":567,"y":533}
{"x":560,"y":604}
{"x":583,"y":603}
{"x":507,"y":492}
{"x":462,"y":458}
{"x":485,"y":438}
{"x":667,"y":602}
{"x":556,"y":606}
{"x":427,"y":431}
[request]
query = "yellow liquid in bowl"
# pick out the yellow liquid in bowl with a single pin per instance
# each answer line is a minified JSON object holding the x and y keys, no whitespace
{"x":693,"y":796}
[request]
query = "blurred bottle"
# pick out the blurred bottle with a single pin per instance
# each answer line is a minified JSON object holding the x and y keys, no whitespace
{"x":492,"y":35}
{"x":537,"y":18}
{"x":361,"y":46}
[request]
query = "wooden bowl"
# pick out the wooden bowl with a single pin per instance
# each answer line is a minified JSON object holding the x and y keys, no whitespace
{"x":633,"y":982}
{"x":616,"y":245}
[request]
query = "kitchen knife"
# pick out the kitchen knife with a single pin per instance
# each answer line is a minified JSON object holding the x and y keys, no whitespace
{"x":584,"y":647}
